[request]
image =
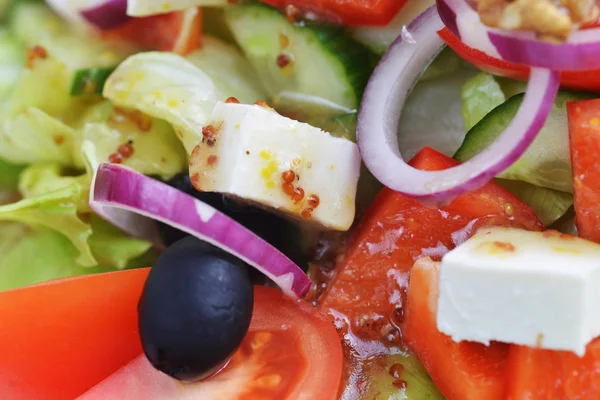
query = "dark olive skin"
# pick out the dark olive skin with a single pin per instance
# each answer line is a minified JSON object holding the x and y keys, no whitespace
{"x":279,"y":232}
{"x":195,"y":309}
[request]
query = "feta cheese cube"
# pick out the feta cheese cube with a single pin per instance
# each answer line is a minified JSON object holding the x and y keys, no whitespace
{"x":539,"y":289}
{"x":253,"y":153}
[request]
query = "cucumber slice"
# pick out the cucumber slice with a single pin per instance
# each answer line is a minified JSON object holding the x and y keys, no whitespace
{"x":12,"y":57}
{"x":90,"y":80}
{"x":35,"y":24}
{"x":546,"y":162}
{"x":315,"y":60}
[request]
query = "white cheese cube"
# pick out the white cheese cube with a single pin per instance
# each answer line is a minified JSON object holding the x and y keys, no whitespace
{"x":539,"y":289}
{"x":252,"y":152}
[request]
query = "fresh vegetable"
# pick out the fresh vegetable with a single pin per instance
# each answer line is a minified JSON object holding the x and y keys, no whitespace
{"x":90,"y":81}
{"x":461,"y":371}
{"x":309,"y":59}
{"x":111,"y":188}
{"x":379,"y":38}
{"x":480,"y":95}
{"x":167,"y":86}
{"x":53,"y":321}
{"x":576,"y":80}
{"x":178,"y":31}
{"x":107,"y":14}
{"x":354,"y":12}
{"x":546,"y":162}
{"x":289,"y":352}
{"x":578,"y":52}
{"x":9,"y":175}
{"x":278,"y":231}
{"x":584,"y":130}
{"x":128,"y":137}
{"x":142,"y":8}
{"x":12,"y":58}
{"x":378,"y":124}
{"x":394,"y":232}
{"x":186,"y":336}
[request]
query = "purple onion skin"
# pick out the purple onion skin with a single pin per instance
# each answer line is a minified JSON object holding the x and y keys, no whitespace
{"x":121,"y":187}
{"x":108,"y":15}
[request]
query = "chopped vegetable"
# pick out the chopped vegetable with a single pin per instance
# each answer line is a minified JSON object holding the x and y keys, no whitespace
{"x":546,"y":162}
{"x":461,"y":371}
{"x":290,"y":351}
{"x":90,"y":81}
{"x":156,"y":200}
{"x":584,"y":131}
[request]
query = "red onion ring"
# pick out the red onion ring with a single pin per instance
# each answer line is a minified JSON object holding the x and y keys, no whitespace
{"x":580,"y":52}
{"x":128,"y":191}
{"x":108,"y":14}
{"x":382,"y":103}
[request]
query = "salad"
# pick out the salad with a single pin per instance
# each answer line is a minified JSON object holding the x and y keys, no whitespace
{"x":309,"y":199}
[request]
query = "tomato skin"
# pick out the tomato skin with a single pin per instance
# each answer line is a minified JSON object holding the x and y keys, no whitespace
{"x":344,"y":12}
{"x":576,"y":80}
{"x":584,"y":135}
{"x":371,"y":278}
{"x":178,"y":31}
{"x":305,"y":362}
{"x":561,"y":375}
{"x":395,"y":230}
{"x":62,"y":337}
{"x":461,"y":371}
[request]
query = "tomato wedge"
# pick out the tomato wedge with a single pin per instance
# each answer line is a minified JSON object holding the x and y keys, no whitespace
{"x":396,"y":230}
{"x":178,"y":31}
{"x":63,"y":338}
{"x":461,"y":371}
{"x":578,"y":80}
{"x":584,"y":134}
{"x":60,"y":338}
{"x":372,"y":277}
{"x":561,"y":375}
{"x":344,"y":12}
{"x":289,"y":353}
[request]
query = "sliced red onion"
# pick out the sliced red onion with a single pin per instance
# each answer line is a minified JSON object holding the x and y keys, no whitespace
{"x":108,"y":14}
{"x":382,"y":104}
{"x":581,"y":51}
{"x":128,"y":191}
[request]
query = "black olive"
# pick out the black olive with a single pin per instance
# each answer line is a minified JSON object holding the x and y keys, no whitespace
{"x":195,"y":309}
{"x":280,"y":233}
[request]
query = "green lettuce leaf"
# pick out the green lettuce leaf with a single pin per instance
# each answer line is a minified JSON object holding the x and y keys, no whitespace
{"x":56,"y":210}
{"x":31,"y":255}
{"x":480,"y":95}
{"x":9,"y":175}
{"x":113,"y":247}
{"x":548,"y":204}
{"x":156,"y":149}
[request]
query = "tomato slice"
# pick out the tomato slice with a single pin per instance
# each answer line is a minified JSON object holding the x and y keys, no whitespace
{"x":584,"y":134}
{"x":344,"y":12}
{"x":461,"y":371}
{"x":371,"y":278}
{"x":178,"y":31}
{"x":578,"y":80}
{"x":553,"y":375}
{"x":396,"y":230}
{"x":60,"y":338}
{"x":561,"y":375}
{"x":289,"y":353}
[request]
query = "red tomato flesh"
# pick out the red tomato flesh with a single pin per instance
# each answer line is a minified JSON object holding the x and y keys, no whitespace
{"x":584,"y":134}
{"x":561,"y":375}
{"x":178,"y":31}
{"x":62,"y":337}
{"x":461,"y":371}
{"x":344,"y":12}
{"x":577,"y":80}
{"x":371,"y":278}
{"x":289,"y":353}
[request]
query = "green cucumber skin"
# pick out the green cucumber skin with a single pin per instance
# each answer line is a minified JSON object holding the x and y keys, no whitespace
{"x":348,"y":60}
{"x":94,"y":76}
